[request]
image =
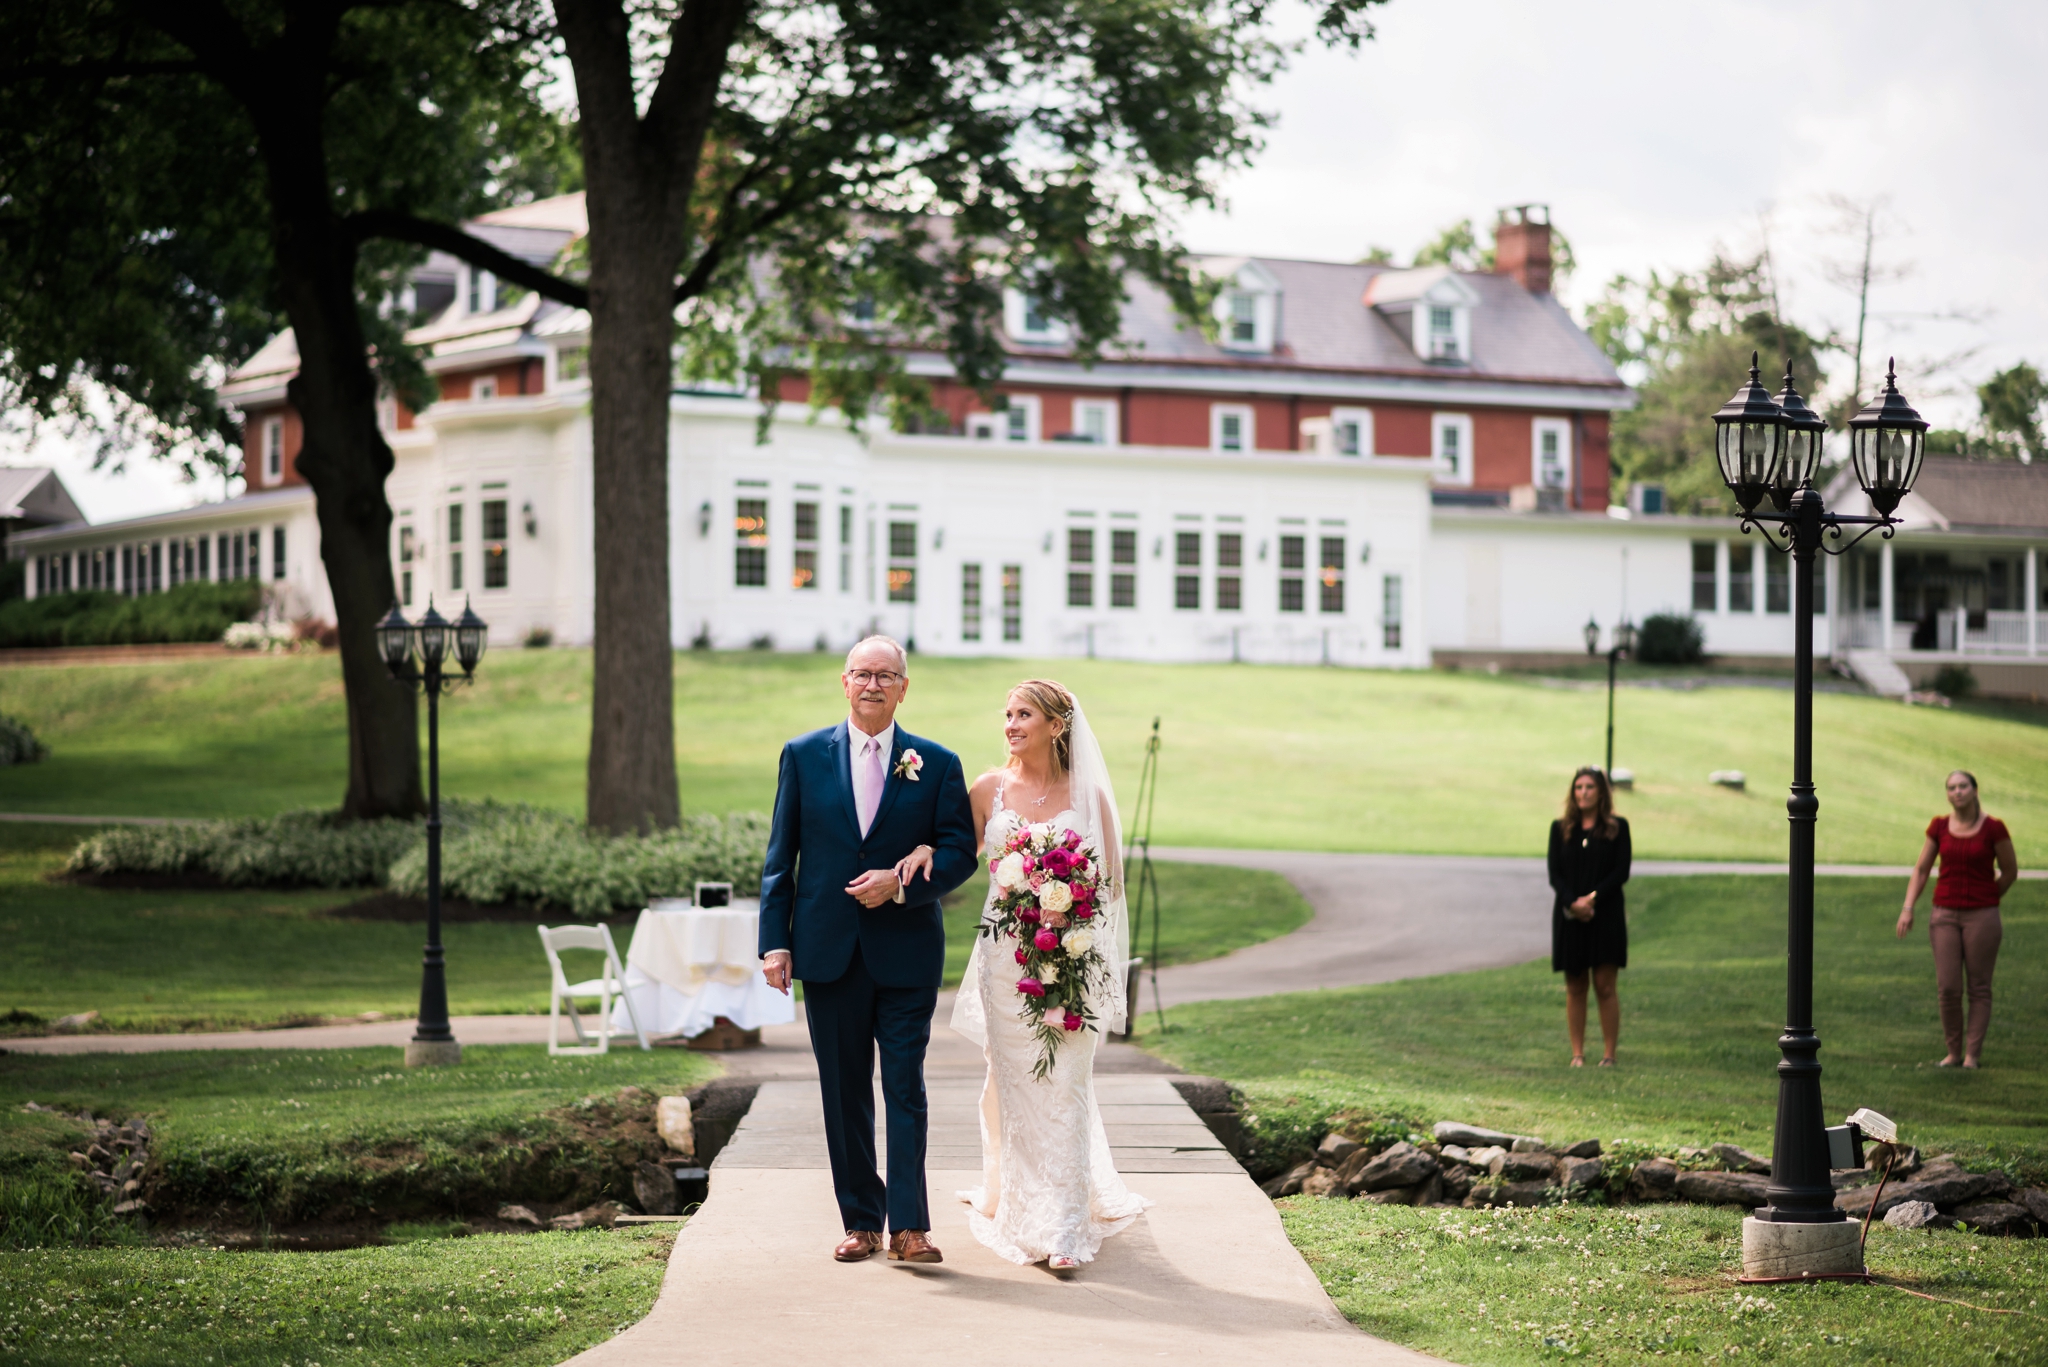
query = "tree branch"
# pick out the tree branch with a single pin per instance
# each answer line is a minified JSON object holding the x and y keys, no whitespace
{"x":399,"y":227}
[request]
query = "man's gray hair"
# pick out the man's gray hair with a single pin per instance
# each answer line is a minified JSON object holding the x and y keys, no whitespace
{"x":902,"y":656}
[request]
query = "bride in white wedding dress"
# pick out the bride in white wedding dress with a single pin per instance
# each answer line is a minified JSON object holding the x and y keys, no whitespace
{"x":1050,"y":1190}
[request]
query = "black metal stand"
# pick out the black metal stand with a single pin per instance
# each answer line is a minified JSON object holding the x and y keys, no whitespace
{"x":1141,"y":883}
{"x":1801,"y":1190}
{"x":433,"y":1025}
{"x":1613,"y":658}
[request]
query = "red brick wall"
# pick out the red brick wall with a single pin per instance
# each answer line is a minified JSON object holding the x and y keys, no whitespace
{"x":1595,"y":491}
{"x":1400,"y":431}
{"x":253,"y":470}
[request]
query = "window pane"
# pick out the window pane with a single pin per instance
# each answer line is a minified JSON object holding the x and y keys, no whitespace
{"x":807,"y":522}
{"x":1123,"y":590}
{"x":1290,"y":595}
{"x":903,"y":541}
{"x":1080,"y":545}
{"x":1187,"y":548}
{"x":1703,"y":576}
{"x":1347,"y":438}
{"x":1332,"y":577}
{"x":750,"y":533}
{"x":1080,"y":589}
{"x":1231,"y":426}
{"x":1123,"y":546}
{"x":1293,"y":550}
{"x":1390,"y":611}
{"x":1230,"y":549}
{"x":903,"y":583}
{"x":276,"y":554}
{"x":495,"y":520}
{"x":454,"y":523}
{"x":1778,"y":583}
{"x":1013,"y":602}
{"x":496,"y":575}
{"x":1229,"y":593}
{"x":1741,"y":578}
{"x":970,"y":602}
{"x":803,"y":572}
{"x":1187,"y":591}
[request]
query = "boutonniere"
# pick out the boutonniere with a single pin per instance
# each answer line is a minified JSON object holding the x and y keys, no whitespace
{"x":908,"y":764}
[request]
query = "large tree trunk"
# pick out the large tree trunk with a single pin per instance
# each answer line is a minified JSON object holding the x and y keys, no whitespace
{"x":632,"y":775}
{"x":640,"y":172}
{"x":345,"y":458}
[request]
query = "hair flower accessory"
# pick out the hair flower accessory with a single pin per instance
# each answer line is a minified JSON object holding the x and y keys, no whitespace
{"x":907,"y":765}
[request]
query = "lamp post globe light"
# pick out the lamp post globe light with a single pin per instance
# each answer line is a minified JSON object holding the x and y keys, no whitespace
{"x":1772,"y":447}
{"x":399,"y":641}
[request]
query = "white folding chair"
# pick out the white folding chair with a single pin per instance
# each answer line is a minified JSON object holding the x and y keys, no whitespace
{"x":555,"y":939}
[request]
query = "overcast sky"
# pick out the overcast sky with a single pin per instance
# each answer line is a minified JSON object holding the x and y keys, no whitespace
{"x":1654,"y":131}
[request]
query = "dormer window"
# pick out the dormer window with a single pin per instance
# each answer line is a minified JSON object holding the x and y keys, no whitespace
{"x":1431,"y":307}
{"x":1443,"y":333}
{"x":1247,"y":310}
{"x":480,"y":291}
{"x":1026,"y":319}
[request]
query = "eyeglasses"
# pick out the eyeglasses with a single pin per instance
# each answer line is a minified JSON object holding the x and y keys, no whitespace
{"x":865,"y":677}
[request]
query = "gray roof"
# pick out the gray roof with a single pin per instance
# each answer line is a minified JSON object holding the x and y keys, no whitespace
{"x":1985,"y":494}
{"x":33,"y":494}
{"x":1325,"y":324}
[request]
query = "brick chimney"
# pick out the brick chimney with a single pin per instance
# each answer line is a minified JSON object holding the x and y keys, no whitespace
{"x":1521,"y":246}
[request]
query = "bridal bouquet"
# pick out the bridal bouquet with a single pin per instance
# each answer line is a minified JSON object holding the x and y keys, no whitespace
{"x":1047,"y":890}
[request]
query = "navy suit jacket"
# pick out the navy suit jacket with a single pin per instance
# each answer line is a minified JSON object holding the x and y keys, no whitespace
{"x":815,"y":849}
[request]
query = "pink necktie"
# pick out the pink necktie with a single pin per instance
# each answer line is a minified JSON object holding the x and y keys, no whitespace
{"x":867,"y":790}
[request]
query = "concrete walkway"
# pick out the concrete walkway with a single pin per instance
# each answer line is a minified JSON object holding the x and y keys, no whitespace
{"x":1205,"y":1275}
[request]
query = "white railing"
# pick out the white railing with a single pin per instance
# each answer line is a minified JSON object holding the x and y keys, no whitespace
{"x":2003,"y":633}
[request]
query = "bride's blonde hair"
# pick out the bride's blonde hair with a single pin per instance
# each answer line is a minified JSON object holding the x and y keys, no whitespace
{"x":1057,"y":704}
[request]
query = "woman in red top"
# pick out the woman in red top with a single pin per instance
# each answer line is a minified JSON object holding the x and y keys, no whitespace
{"x":1965,"y":927}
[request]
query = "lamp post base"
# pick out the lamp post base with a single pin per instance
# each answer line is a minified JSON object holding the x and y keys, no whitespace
{"x":432,"y":1053}
{"x":1774,"y":1249}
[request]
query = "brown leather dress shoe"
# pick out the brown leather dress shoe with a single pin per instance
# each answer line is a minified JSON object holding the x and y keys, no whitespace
{"x":857,"y":1245}
{"x":914,"y":1246}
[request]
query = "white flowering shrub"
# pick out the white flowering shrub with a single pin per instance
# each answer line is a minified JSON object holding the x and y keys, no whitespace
{"x":264,"y":636}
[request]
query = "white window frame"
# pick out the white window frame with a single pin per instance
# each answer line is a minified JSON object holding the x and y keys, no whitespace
{"x":1363,"y":418}
{"x":483,"y":387}
{"x":1462,"y":423}
{"x":1248,"y":428}
{"x":1108,"y":408}
{"x":273,"y":450}
{"x":559,"y":380}
{"x":1016,"y":306}
{"x":983,"y":426}
{"x":1008,"y":426}
{"x":1538,"y":428}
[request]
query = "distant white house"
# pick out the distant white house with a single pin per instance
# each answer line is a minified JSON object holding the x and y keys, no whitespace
{"x":1361,"y":466}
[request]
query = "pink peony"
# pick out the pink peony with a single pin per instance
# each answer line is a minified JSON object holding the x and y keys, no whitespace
{"x":1073,"y":1022}
{"x":1057,"y":920}
{"x":1046,"y":940}
{"x":1027,"y":913}
{"x":1031,"y":987}
{"x":1020,"y":956}
{"x":1058,"y":863}
{"x":1073,"y":841}
{"x":1082,"y":911}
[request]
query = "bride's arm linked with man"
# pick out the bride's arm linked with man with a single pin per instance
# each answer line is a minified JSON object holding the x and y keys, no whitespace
{"x":851,"y":802}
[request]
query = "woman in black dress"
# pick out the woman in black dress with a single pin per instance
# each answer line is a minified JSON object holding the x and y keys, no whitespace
{"x":1589,"y":857}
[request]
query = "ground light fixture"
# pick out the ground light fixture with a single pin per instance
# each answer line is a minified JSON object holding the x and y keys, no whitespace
{"x":1773,"y":446}
{"x":401,"y":643}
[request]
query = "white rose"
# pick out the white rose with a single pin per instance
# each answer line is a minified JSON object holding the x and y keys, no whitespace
{"x":1010,"y":871}
{"x":1048,"y":973}
{"x":1079,"y":942}
{"x":1055,"y":896}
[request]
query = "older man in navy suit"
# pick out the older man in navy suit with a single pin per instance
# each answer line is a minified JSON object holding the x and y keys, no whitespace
{"x":850,"y":801}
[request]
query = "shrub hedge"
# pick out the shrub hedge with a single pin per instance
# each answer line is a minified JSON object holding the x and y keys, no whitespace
{"x":1671,"y":638}
{"x":18,"y":744}
{"x":95,"y":617}
{"x":490,"y":853}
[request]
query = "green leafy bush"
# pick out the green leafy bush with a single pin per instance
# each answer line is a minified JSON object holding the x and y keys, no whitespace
{"x":299,"y":849}
{"x":549,"y":860}
{"x":93,"y":617}
{"x":18,"y":744}
{"x":491,"y":852}
{"x":1954,"y":681}
{"x":1671,"y":638}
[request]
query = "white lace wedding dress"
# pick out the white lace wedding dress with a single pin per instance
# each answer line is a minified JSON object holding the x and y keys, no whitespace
{"x":1049,"y":1186}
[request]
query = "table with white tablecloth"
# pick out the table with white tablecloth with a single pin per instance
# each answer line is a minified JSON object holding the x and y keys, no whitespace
{"x":688,"y":965}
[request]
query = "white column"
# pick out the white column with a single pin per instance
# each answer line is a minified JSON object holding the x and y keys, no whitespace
{"x":1722,"y":551}
{"x":2030,"y":576}
{"x":1884,"y":598}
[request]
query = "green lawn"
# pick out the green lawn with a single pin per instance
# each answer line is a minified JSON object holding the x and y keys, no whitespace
{"x":1255,"y":757}
{"x":213,"y":959}
{"x":1702,"y":1003}
{"x":507,"y":1300}
{"x":1655,"y":1283}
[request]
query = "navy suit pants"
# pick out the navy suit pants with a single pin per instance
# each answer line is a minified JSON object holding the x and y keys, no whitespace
{"x":851,"y":1018}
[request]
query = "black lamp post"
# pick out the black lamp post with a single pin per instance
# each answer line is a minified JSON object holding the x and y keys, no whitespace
{"x":1620,"y":646}
{"x":433,"y":1042}
{"x":1773,"y":446}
